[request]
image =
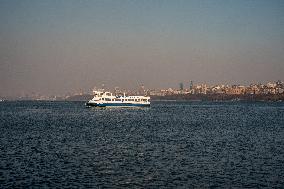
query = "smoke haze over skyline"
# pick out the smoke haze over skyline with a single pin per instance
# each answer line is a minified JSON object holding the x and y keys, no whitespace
{"x":55,"y":47}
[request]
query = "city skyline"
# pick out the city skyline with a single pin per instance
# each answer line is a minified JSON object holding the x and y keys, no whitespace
{"x":58,"y":46}
{"x":187,"y":88}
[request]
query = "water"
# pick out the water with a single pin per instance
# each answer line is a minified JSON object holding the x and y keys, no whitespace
{"x":170,"y":145}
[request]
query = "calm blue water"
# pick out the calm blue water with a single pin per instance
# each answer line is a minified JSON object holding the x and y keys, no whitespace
{"x":170,"y":145}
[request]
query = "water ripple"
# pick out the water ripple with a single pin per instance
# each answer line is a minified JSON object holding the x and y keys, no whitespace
{"x":174,"y":144}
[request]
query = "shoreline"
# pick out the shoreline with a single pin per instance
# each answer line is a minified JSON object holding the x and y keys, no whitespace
{"x":221,"y":97}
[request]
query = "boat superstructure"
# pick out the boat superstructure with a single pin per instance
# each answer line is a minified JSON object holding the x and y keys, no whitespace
{"x":107,"y":99}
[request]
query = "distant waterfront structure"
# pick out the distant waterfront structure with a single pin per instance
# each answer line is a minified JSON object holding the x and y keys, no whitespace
{"x":181,"y":86}
{"x":141,"y":90}
{"x":191,"y":85}
{"x":259,"y":89}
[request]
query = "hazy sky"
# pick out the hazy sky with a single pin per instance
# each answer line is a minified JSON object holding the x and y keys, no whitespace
{"x":60,"y":46}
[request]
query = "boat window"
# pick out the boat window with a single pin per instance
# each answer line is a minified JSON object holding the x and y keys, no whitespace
{"x":117,"y":99}
{"x":107,"y":99}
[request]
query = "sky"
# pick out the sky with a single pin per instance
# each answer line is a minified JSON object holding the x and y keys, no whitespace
{"x":64,"y":46}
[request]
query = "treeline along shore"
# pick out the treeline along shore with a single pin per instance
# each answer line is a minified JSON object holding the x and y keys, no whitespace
{"x":220,"y":97}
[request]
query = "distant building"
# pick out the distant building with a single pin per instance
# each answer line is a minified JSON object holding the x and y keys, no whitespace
{"x":141,"y":90}
{"x":217,"y":89}
{"x":204,"y":88}
{"x":181,"y":86}
{"x":191,"y":85}
{"x":236,"y":89}
{"x":253,"y":89}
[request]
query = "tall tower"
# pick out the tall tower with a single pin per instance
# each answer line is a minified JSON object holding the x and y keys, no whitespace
{"x":191,"y":85}
{"x":181,"y":86}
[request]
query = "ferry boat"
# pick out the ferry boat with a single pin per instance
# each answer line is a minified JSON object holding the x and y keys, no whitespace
{"x":107,"y":99}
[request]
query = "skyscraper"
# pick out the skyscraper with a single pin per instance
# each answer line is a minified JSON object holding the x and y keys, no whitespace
{"x":191,"y":85}
{"x":181,"y":86}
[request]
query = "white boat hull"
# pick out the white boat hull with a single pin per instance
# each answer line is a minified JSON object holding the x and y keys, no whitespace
{"x":90,"y":104}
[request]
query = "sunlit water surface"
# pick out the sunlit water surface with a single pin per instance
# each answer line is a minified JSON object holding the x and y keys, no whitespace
{"x":170,"y":145}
